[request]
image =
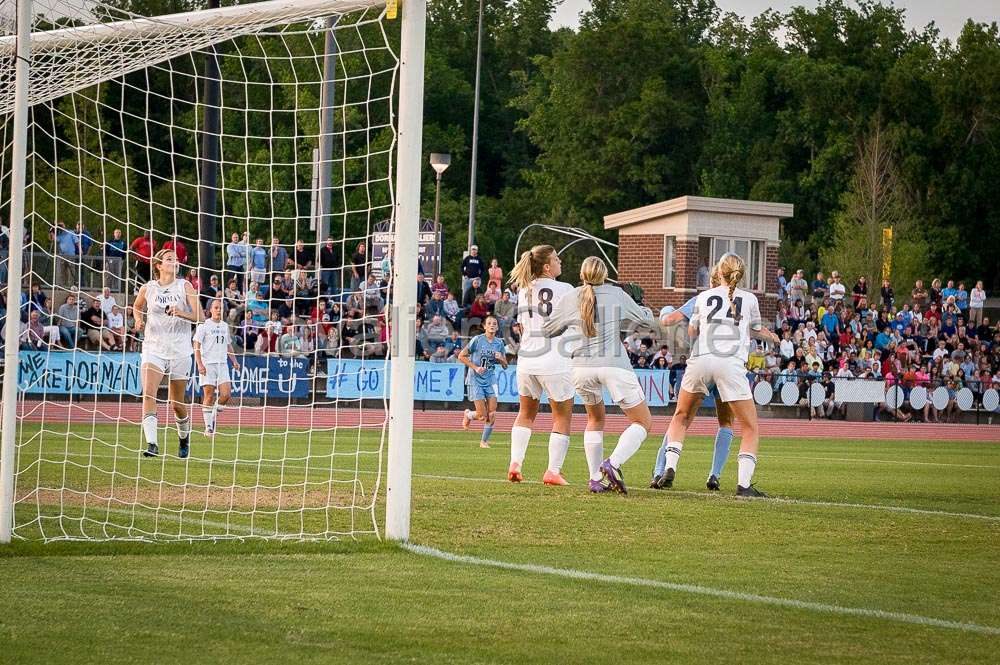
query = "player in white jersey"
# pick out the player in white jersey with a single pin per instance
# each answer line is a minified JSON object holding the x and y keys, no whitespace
{"x":542,"y":364}
{"x":722,"y":324}
{"x":166,"y":308}
{"x":212,"y":344}
{"x":598,"y":312}
{"x":663,"y":476}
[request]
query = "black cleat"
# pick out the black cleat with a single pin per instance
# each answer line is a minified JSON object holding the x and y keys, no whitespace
{"x":184,"y":448}
{"x":654,"y":483}
{"x":750,"y":492}
{"x":152,"y":450}
{"x":713,"y":483}
{"x":666,"y":480}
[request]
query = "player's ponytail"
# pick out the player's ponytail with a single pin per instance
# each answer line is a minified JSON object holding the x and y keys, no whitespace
{"x":731,"y":270}
{"x":531,"y":265}
{"x":593,"y":273}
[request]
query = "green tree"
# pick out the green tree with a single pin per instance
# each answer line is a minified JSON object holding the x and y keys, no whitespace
{"x":877,"y":199}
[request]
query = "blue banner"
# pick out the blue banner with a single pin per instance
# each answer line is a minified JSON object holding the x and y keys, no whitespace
{"x":78,"y":373}
{"x":87,"y":373}
{"x":368,"y":379}
{"x":266,"y":376}
{"x":445,"y":382}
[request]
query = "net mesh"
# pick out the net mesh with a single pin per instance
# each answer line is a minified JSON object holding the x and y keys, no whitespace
{"x":124,"y":151}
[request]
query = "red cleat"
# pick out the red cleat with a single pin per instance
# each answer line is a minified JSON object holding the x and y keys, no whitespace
{"x":553,"y":478}
{"x":514,"y":473}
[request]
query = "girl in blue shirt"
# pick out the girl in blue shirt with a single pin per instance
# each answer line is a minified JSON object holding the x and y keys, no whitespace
{"x":482,"y":354}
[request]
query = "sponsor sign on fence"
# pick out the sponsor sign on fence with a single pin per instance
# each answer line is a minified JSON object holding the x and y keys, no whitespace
{"x":78,"y":373}
{"x":445,"y":382}
{"x":87,"y":373}
{"x":369,"y":379}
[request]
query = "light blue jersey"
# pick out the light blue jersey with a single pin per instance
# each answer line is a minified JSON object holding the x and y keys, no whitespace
{"x":687,"y":309}
{"x":482,"y":354}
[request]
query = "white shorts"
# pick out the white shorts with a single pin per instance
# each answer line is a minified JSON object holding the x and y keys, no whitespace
{"x":215,"y":375}
{"x":728,"y":375}
{"x":175,"y":369}
{"x":559,"y":387}
{"x":622,"y":385}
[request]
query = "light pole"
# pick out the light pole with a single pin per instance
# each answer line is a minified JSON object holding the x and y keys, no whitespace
{"x":439,"y":162}
{"x":475,"y":132}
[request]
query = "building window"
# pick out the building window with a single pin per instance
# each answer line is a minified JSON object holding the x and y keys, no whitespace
{"x":705,"y":263}
{"x":752,"y":253}
{"x":669,"y":261}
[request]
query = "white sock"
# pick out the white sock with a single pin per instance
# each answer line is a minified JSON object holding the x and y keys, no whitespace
{"x":149,"y":427}
{"x":628,"y":444}
{"x":471,"y":415}
{"x":208,"y":413}
{"x":558,"y":445}
{"x":674,"y":454}
{"x":219,"y":408}
{"x":519,"y":437}
{"x":593,"y":446}
{"x":184,"y":427}
{"x":747,"y":463}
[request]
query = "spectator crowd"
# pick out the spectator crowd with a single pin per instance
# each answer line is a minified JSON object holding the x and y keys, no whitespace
{"x":278,"y":298}
{"x":291,"y":299}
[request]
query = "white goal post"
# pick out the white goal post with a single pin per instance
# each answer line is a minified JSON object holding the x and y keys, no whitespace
{"x":75,"y":58}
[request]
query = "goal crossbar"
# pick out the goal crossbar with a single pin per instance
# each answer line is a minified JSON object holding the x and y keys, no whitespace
{"x":257,"y":16}
{"x":157,"y":39}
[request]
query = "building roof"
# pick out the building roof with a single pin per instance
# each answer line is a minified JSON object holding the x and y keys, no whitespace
{"x":703,"y":204}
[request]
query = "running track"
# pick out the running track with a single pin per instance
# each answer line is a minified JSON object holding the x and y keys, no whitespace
{"x":304,"y":417}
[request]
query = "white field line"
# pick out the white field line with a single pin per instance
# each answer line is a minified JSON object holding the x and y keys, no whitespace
{"x":861,"y":460}
{"x":544,"y":445}
{"x":703,"y":495}
{"x":823,"y":608}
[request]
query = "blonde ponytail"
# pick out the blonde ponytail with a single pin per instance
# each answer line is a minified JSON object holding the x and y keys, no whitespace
{"x":593,"y":273}
{"x":530,"y":266}
{"x":731,"y":270}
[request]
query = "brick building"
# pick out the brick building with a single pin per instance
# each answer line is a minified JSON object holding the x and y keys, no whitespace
{"x":667,"y":247}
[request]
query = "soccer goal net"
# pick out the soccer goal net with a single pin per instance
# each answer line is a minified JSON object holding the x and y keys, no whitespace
{"x":261,"y":142}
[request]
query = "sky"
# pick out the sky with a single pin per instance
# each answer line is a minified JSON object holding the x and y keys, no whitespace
{"x":949,"y":15}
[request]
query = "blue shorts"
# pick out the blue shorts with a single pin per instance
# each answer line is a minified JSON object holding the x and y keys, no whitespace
{"x":478,"y":392}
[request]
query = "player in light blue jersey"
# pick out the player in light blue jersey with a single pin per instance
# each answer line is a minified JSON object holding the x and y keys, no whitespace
{"x":664,"y":477}
{"x":482,"y":354}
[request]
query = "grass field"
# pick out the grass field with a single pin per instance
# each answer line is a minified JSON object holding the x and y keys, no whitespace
{"x":861,"y":528}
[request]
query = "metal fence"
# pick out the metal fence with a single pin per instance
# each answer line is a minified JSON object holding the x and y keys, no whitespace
{"x":87,"y":272}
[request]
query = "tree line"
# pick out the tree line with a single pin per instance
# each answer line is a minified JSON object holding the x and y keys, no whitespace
{"x":646,"y":100}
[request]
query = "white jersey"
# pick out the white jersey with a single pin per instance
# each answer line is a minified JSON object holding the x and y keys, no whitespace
{"x":718,"y":333}
{"x":214,"y":340}
{"x":167,"y":337}
{"x":537,"y":355}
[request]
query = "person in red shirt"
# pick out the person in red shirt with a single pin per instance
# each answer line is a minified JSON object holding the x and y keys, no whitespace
{"x":934,"y":312}
{"x":480,"y":309}
{"x":179,"y":248}
{"x":143,"y":247}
